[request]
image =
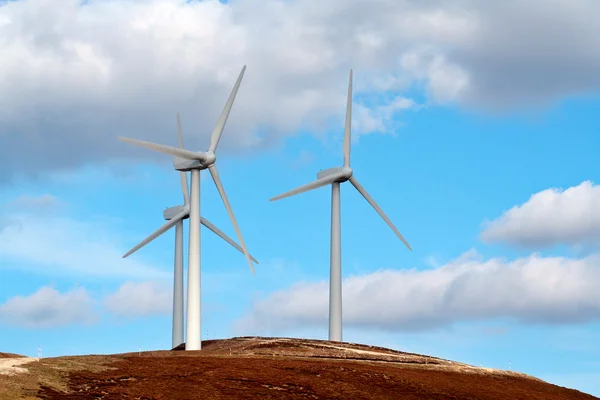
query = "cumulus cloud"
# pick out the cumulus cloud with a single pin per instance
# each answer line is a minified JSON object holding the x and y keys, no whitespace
{"x":79,"y":74}
{"x":304,"y":158}
{"x":550,"y":217}
{"x":28,"y":201}
{"x":28,"y":204}
{"x":48,"y":308}
{"x":534,"y":289}
{"x":140,"y":299}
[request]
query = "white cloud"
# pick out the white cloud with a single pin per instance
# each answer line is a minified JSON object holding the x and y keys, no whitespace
{"x":550,"y":217}
{"x":533,"y":289}
{"x":140,"y":299}
{"x":379,"y":118}
{"x":61,"y":246}
{"x":30,"y":203}
{"x":304,"y":158}
{"x":79,"y":74}
{"x":48,"y":308}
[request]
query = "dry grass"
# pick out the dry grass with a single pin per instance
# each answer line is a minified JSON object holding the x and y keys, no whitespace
{"x":269,"y":368}
{"x":15,"y":384}
{"x":47,"y":372}
{"x":10,"y":355}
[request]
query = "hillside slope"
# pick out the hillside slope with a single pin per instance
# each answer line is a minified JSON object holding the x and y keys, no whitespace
{"x":10,"y":355}
{"x":271,"y":368}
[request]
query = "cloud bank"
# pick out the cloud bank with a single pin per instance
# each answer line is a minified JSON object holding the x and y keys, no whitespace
{"x":551,"y":217}
{"x":534,"y":289}
{"x":79,"y":74}
{"x":47,"y":308}
{"x":140,"y":299}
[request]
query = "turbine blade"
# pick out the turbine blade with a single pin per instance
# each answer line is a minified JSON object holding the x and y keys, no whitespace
{"x":368,"y":197}
{"x":184,"y":187}
{"x":309,"y":186}
{"x":165,"y":227}
{"x":185,"y":190}
{"x":223,"y":236}
{"x":215,"y":175}
{"x":174,"y":151}
{"x":179,"y":134}
{"x":216,"y":133}
{"x":348,"y":124}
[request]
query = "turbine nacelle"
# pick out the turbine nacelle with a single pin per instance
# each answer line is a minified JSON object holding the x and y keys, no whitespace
{"x":344,"y":173}
{"x":202,"y":160}
{"x":183,"y":165}
{"x":173,"y":212}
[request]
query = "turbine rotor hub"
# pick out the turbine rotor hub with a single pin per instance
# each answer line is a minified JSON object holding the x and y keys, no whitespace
{"x":209,"y":159}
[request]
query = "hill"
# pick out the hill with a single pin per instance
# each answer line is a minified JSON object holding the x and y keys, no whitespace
{"x":275,"y":368}
{"x":9,"y":355}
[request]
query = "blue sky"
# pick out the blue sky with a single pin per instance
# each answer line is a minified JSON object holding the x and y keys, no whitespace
{"x":440,"y":140}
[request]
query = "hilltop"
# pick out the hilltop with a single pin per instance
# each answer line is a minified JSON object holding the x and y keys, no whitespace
{"x":273,"y":368}
{"x":9,"y":355}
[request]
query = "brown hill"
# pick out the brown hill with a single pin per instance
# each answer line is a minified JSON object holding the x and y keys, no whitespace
{"x":278,"y":368}
{"x":9,"y":355}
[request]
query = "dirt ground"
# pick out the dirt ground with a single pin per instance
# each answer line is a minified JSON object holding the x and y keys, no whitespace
{"x":268,"y":368}
{"x":12,"y":365}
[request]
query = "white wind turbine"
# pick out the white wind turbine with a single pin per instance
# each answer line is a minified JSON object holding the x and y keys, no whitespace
{"x":335,"y":176}
{"x":195,"y":161}
{"x":176,"y":215}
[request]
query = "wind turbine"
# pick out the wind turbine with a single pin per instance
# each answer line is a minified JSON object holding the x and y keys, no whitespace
{"x":176,"y":215}
{"x":335,"y":176}
{"x":195,"y":161}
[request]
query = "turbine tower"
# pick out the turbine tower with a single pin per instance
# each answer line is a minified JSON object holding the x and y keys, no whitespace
{"x":176,"y":215}
{"x":335,"y":176}
{"x":195,"y":161}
